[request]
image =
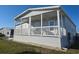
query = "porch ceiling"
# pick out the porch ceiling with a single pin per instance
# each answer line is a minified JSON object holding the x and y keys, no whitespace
{"x":33,"y":13}
{"x":49,"y":15}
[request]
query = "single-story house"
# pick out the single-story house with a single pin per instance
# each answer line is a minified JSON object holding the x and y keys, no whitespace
{"x":7,"y":32}
{"x":45,"y":26}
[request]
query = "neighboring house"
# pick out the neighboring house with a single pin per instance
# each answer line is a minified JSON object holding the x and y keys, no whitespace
{"x":77,"y":33}
{"x":7,"y":32}
{"x":45,"y":26}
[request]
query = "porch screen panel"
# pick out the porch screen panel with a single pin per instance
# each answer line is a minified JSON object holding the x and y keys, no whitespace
{"x":50,"y":19}
{"x":25,"y":29}
{"x":18,"y":22}
{"x":25,"y":25}
{"x":18,"y":30}
{"x":50,"y":31}
{"x":36,"y":31}
{"x":36,"y":25}
{"x":50,"y":26}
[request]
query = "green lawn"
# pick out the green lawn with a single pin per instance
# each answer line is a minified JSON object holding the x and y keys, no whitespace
{"x":14,"y":47}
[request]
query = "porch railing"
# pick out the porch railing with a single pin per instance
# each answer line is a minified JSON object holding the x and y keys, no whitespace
{"x":21,"y":31}
{"x":44,"y":31}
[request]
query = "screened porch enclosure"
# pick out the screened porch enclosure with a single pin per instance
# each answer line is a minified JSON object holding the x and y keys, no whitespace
{"x":44,"y":24}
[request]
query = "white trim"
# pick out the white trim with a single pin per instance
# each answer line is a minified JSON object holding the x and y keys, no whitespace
{"x":44,"y":26}
{"x":49,"y":7}
{"x":35,"y":34}
{"x":58,"y":18}
{"x":44,"y":35}
{"x":29,"y":26}
{"x":41,"y":23}
{"x":21,"y":26}
{"x":51,"y":35}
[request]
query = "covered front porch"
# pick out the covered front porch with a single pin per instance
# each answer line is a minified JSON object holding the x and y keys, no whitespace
{"x":39,"y":23}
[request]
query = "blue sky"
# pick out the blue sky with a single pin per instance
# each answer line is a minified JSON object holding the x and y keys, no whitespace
{"x":8,"y":12}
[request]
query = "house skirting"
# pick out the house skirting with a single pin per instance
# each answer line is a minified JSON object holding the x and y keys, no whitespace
{"x":40,"y":41}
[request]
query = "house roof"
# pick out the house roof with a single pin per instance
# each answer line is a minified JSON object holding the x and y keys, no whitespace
{"x":33,"y":9}
{"x":42,"y":8}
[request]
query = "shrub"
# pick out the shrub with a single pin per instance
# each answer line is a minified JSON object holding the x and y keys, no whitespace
{"x":2,"y":35}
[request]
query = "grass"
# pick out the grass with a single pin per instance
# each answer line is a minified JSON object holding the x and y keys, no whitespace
{"x":13,"y":47}
{"x":10,"y":47}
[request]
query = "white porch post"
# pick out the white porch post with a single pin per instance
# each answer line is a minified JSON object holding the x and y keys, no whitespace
{"x":29,"y":26}
{"x":14,"y":27}
{"x":21,"y":26}
{"x":58,"y":18}
{"x":41,"y":23}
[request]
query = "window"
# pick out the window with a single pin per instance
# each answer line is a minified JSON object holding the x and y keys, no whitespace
{"x":51,"y":22}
